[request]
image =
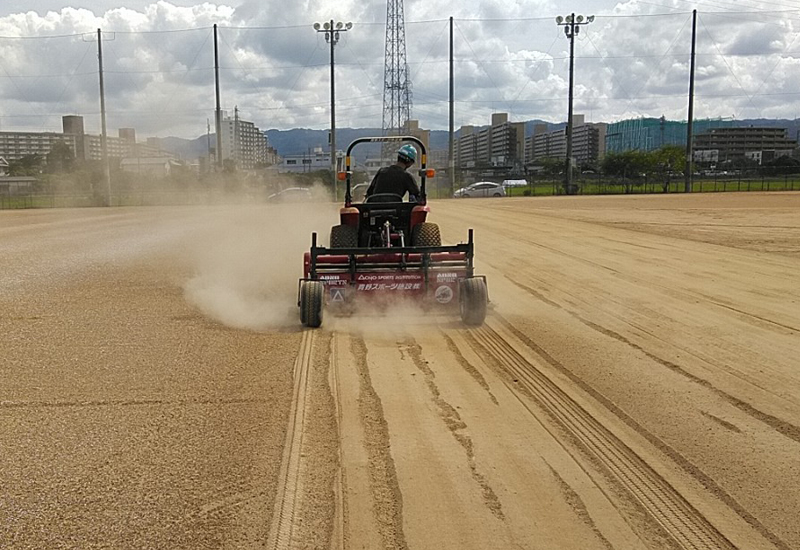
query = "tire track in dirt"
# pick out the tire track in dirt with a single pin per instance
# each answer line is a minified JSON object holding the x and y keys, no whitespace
{"x":284,"y":519}
{"x":684,"y":523}
{"x":129,"y":403}
{"x":576,"y":503}
{"x":469,"y":367}
{"x":339,"y":537}
{"x":386,"y":495}
{"x":786,"y":429}
{"x":457,"y":427}
{"x":746,"y":316}
{"x":679,"y":459}
{"x":727,"y":368}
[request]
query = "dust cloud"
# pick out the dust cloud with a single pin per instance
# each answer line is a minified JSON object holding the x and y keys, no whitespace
{"x":248,"y":259}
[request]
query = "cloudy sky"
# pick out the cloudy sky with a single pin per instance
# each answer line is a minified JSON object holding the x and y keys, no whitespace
{"x":510,"y":56}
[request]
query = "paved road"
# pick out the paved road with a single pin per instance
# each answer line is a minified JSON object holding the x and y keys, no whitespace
{"x":636,"y":385}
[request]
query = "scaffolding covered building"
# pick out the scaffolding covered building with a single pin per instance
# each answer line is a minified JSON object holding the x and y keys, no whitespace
{"x":650,"y":134}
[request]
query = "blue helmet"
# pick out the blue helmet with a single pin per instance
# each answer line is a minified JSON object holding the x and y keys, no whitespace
{"x":408,"y":152}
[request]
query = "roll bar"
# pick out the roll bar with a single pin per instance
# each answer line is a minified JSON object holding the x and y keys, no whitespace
{"x":423,"y":160}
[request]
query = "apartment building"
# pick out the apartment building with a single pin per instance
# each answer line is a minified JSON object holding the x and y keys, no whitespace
{"x":588,"y":142}
{"x":502,"y":144}
{"x":243,"y":142}
{"x":758,"y":143}
{"x":16,"y":145}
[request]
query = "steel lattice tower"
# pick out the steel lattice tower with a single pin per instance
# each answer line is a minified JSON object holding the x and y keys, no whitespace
{"x":396,"y":84}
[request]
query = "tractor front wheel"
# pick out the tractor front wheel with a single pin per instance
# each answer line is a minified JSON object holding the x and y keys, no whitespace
{"x":311,"y":302}
{"x":473,"y":299}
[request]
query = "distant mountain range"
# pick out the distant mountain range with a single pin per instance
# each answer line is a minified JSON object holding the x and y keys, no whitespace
{"x":303,"y":140}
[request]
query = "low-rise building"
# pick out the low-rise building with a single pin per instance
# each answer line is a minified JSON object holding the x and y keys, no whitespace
{"x":316,"y":159}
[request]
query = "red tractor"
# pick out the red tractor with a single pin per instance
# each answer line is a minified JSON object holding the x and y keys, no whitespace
{"x":385,"y":249}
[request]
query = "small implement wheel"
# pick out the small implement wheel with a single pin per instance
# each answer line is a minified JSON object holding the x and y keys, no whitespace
{"x":472,"y":301}
{"x":344,"y":236}
{"x":426,"y":234}
{"x":311,"y":302}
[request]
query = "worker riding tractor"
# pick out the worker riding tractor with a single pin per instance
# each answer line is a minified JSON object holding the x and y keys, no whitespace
{"x":386,"y":250}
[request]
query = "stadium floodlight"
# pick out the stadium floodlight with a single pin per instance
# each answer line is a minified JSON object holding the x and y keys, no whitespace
{"x":332,"y":29}
{"x":572,"y":26}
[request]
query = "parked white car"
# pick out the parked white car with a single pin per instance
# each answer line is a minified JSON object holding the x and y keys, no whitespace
{"x":515,"y":183}
{"x":481,"y":189}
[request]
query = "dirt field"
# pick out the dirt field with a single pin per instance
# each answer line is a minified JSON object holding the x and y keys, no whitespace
{"x":636,"y":384}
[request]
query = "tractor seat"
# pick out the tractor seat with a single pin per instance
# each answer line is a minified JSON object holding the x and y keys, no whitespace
{"x":397,"y":213}
{"x":383,"y":197}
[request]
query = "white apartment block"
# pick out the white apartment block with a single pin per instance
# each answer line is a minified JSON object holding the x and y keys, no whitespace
{"x":501,"y":144}
{"x":16,"y":145}
{"x":243,"y":142}
{"x":588,"y":142}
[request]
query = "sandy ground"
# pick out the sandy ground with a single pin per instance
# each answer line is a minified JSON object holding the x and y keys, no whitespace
{"x":636,"y":384}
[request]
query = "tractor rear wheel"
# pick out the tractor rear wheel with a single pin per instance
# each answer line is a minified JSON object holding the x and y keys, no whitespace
{"x":426,"y":234}
{"x":302,"y":309}
{"x":472,"y":300}
{"x":344,"y":236}
{"x":311,"y":302}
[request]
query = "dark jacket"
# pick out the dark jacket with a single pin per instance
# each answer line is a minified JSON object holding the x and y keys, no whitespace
{"x":393,"y":179}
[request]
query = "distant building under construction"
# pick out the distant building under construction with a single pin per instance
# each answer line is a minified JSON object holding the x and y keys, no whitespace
{"x":650,"y":134}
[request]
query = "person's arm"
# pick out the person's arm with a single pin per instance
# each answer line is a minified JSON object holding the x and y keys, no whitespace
{"x":371,"y":188}
{"x":412,"y":187}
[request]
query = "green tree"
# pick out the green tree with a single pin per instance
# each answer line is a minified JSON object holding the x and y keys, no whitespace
{"x":60,"y":158}
{"x":551,"y":166}
{"x":628,"y":164}
{"x":781,"y":166}
{"x":29,"y":165}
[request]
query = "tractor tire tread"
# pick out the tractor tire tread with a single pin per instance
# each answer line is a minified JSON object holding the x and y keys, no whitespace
{"x":344,"y":236}
{"x":426,"y":234}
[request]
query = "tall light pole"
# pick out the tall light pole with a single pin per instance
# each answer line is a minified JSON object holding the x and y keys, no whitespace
{"x":332,"y":30}
{"x":572,"y":26}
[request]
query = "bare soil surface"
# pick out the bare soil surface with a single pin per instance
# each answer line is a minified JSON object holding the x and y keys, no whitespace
{"x":636,"y":384}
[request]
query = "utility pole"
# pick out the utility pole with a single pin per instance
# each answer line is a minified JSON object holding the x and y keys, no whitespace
{"x":104,"y":134}
{"x":451,"y":158}
{"x":572,"y":26}
{"x":332,"y":30}
{"x":208,"y":143}
{"x":235,"y":145}
{"x":689,"y":125}
{"x":218,"y":113}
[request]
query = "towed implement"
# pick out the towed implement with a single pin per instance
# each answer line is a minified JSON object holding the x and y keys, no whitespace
{"x":385,"y":251}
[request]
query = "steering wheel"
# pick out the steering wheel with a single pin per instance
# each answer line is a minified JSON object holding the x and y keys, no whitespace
{"x":384,"y":197}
